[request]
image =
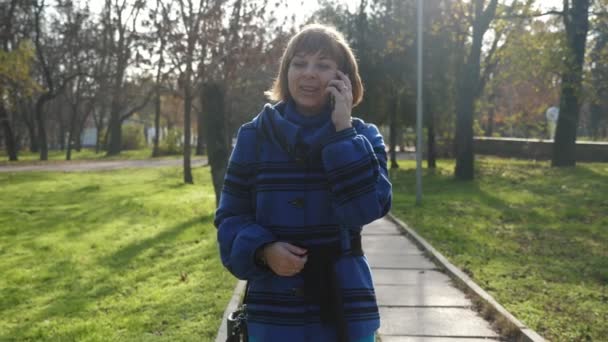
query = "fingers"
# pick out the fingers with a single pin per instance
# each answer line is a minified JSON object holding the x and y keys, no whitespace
{"x":286,"y":259}
{"x":339,"y":85}
{"x":291,"y":265}
{"x":334,"y":91}
{"x":295,"y":249}
{"x":345,"y":79}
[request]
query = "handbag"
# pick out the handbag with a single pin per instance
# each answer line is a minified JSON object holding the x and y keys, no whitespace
{"x":236,"y":323}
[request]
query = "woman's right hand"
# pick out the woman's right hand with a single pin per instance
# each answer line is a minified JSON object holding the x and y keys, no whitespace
{"x":284,"y":259}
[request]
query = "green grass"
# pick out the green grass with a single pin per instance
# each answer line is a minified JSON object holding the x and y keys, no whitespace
{"x":126,"y":255}
{"x":534,"y":237}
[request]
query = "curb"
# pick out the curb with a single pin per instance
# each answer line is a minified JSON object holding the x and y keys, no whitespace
{"x":239,"y":289}
{"x":515,"y":329}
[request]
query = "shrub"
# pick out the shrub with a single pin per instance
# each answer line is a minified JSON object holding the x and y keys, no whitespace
{"x":172,"y":143}
{"x":132,"y":137}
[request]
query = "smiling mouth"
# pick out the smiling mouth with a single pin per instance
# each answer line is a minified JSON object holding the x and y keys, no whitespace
{"x":309,"y":89}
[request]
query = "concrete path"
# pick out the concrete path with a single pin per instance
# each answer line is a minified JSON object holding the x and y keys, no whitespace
{"x":86,"y":165}
{"x":417,"y":302}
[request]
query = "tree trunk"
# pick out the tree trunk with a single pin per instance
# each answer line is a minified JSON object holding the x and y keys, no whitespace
{"x":155,"y":149}
{"x":188,"y":111}
{"x":431,"y":155}
{"x":80,"y":128}
{"x":30,"y":123}
{"x":576,"y":21}
{"x":595,"y":116}
{"x":490,"y":126}
{"x":218,"y":149}
{"x":9,"y":136}
{"x":187,"y":133}
{"x":44,"y":149}
{"x":157,"y":100}
{"x":114,"y":131}
{"x":68,"y":154}
{"x":393,"y":133}
{"x":71,"y":129}
{"x":115,"y":125}
{"x":99,"y":125}
{"x":200,"y":142}
{"x":31,"y":129}
{"x":97,"y":141}
{"x":61,"y":136}
{"x":468,"y":89}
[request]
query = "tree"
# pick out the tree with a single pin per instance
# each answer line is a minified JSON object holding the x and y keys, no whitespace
{"x":120,"y":18}
{"x":468,"y":88}
{"x":576,"y":22}
{"x":160,"y":15}
{"x":598,"y":111}
{"x":16,"y":59}
{"x":443,"y":46}
{"x":50,"y":58}
{"x":524,"y":82}
{"x":218,"y":150}
{"x":185,"y":37}
{"x":239,"y":70}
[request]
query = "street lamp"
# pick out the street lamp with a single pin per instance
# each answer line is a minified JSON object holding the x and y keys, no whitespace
{"x":419,"y":141}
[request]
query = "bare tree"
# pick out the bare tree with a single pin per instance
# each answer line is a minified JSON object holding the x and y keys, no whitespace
{"x":162,"y":26}
{"x":190,"y":18}
{"x":121,"y":18}
{"x":50,"y":59}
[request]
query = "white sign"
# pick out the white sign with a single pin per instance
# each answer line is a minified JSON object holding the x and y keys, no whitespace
{"x":552,"y":114}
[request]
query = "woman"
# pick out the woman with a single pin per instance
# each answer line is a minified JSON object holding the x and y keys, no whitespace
{"x":303,"y":179}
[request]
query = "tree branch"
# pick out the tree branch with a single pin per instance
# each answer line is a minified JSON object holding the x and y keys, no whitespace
{"x":139,"y":106}
{"x":528,"y":16}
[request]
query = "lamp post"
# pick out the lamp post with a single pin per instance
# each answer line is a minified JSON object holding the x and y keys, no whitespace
{"x":419,"y":141}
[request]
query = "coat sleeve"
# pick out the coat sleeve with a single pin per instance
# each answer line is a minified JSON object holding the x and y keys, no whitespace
{"x":238,"y":234}
{"x":355,"y":164}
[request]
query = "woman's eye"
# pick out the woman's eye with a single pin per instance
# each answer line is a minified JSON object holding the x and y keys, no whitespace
{"x":298,"y":64}
{"x":324,"y":66}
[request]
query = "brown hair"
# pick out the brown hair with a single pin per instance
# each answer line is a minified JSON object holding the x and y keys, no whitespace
{"x":310,"y":40}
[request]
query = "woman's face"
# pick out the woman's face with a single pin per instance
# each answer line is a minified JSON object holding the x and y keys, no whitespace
{"x":307,"y":78}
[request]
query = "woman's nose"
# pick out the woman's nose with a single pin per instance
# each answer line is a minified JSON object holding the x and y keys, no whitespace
{"x":309,"y":70}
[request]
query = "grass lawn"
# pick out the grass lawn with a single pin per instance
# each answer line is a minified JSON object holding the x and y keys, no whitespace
{"x":534,"y":237}
{"x":126,"y":255}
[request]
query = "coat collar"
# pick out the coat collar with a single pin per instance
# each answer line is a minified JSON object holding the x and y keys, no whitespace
{"x":282,"y":125}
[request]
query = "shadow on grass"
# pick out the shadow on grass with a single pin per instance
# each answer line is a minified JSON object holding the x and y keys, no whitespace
{"x":76,"y":294}
{"x":123,"y":257}
{"x":553,"y":236}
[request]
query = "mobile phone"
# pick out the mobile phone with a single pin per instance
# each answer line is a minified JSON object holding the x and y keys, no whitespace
{"x":332,"y":99}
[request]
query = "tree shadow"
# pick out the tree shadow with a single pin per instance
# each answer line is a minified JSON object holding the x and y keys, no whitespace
{"x":559,"y":251}
{"x":75,"y":293}
{"x":123,"y":257}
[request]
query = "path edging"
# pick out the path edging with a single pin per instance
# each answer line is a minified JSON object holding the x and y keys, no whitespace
{"x":239,"y":290}
{"x":517,"y":330}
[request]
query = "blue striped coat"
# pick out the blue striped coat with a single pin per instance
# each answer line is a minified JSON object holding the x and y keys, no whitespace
{"x":293,"y":178}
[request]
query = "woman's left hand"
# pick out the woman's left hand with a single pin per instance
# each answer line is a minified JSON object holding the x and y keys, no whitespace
{"x":342,"y":90}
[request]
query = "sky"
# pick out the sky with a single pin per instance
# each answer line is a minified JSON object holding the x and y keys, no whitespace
{"x":304,"y":8}
{"x":308,"y":6}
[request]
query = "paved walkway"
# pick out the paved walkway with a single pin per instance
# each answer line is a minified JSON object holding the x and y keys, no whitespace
{"x":417,"y":301}
{"x":101,"y":165}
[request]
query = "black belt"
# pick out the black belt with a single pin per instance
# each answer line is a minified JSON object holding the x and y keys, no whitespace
{"x":321,"y":284}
